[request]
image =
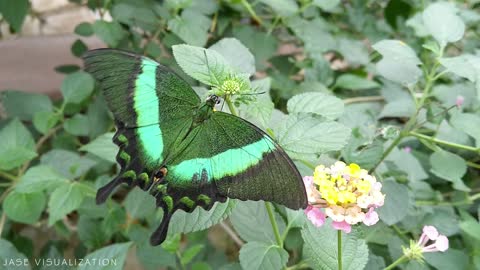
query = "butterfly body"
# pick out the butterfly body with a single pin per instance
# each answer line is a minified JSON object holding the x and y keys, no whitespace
{"x":179,"y":149}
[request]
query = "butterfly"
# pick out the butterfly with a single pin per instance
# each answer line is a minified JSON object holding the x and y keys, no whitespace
{"x":179,"y":149}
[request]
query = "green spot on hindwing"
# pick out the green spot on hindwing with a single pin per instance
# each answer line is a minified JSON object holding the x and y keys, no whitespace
{"x":188,"y":202}
{"x":169,"y":202}
{"x":162,"y":189}
{"x":204,"y":198}
{"x":123,"y":139}
{"x":144,"y":177}
{"x":130,"y":174}
{"x":125,"y":157}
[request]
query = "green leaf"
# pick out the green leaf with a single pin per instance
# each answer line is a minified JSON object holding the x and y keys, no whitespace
{"x":397,"y":202}
{"x":16,"y":146}
{"x":309,"y":134}
{"x":450,"y":259}
{"x":44,"y":121}
{"x":90,"y":232}
{"x":318,"y":103}
{"x":326,"y":5}
{"x":375,"y":262}
{"x":116,"y":253}
{"x":260,"y":230}
{"x":236,"y":54}
{"x":25,"y":105}
{"x":110,"y":32}
{"x":448,"y":94}
{"x":320,"y":248}
{"x":466,"y":66}
{"x":39,"y":178}
{"x":102,"y":147}
{"x":468,"y":123}
{"x":444,"y":219}
{"x":65,"y":199}
{"x":78,"y":125}
{"x":192,"y":27}
{"x":354,"y":82}
{"x":190,"y":253}
{"x":14,"y":12}
{"x":450,"y":167}
{"x":313,"y":33}
{"x":200,"y":219}
{"x":399,"y":63}
{"x":154,"y":257}
{"x":260,"y":111}
{"x":206,"y":66}
{"x":353,"y":51}
{"x":363,"y":152}
{"x":472,"y":228}
{"x":76,"y":87}
{"x":262,"y":46}
{"x":24,"y":207}
{"x":84,"y":29}
{"x":138,"y":204}
{"x":10,"y":254}
{"x":442,"y":22}
{"x":78,"y":48}
{"x":135,"y":15}
{"x":260,"y":256}
{"x":68,"y":164}
{"x":283,"y":8}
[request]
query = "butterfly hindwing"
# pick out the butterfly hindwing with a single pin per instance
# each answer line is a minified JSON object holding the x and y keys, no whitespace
{"x":152,"y":106}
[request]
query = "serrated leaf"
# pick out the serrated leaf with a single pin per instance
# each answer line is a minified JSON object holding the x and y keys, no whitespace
{"x":25,"y":105}
{"x":110,"y":32}
{"x":38,"y":178}
{"x":206,"y":66}
{"x":77,"y":125}
{"x":309,"y":134}
{"x":139,"y":204}
{"x":450,"y":167}
{"x":322,"y":104}
{"x":115,"y":252}
{"x":64,"y":199}
{"x":320,"y":248}
{"x":102,"y":147}
{"x":200,"y":219}
{"x":76,"y":87}
{"x":399,"y":62}
{"x":397,"y":202}
{"x":260,"y":256}
{"x":190,"y":253}
{"x":236,"y":54}
{"x":192,"y":27}
{"x":16,"y":146}
{"x":283,"y":8}
{"x":442,"y":22}
{"x":68,"y":164}
{"x":24,"y":207}
{"x":260,"y":111}
{"x":354,"y":82}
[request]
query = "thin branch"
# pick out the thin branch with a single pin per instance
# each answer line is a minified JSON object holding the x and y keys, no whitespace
{"x":232,"y":234}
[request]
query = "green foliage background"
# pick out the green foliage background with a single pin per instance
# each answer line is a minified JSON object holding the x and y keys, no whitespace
{"x":370,"y":82}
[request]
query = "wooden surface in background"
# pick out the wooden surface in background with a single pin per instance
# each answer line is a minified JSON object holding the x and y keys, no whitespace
{"x":28,"y":63}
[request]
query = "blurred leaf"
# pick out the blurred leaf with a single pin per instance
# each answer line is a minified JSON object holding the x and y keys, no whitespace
{"x":399,"y":62}
{"x":110,"y":32}
{"x":353,"y":51}
{"x":78,"y":125}
{"x":64,"y":199}
{"x":308,"y":134}
{"x":77,"y":86}
{"x":102,"y":147}
{"x":260,"y":256}
{"x":313,"y":33}
{"x":192,"y":27}
{"x":260,"y":111}
{"x":10,"y":254}
{"x":442,"y":22}
{"x":16,"y":146}
{"x":44,"y":121}
{"x":326,"y":5}
{"x":135,"y":15}
{"x":78,"y":48}
{"x":354,"y":82}
{"x":14,"y":12}
{"x":115,"y":252}
{"x":206,"y":66}
{"x":321,"y":104}
{"x":320,"y":248}
{"x":90,"y":232}
{"x":397,"y":202}
{"x":154,"y":257}
{"x":39,"y":178}
{"x":69,"y":164}
{"x":24,"y":207}
{"x":25,"y":105}
{"x":444,"y":219}
{"x":190,"y":253}
{"x":466,"y":66}
{"x":262,"y":46}
{"x":283,"y":8}
{"x":468,"y":123}
{"x":98,"y":117}
{"x":84,"y":29}
{"x":200,"y":219}
{"x":409,"y":164}
{"x":139,"y":204}
{"x":236,"y":54}
{"x":360,"y":151}
{"x":450,"y":167}
{"x":375,"y":262}
{"x":450,"y":259}
{"x":448,"y":94}
{"x":472,"y":228}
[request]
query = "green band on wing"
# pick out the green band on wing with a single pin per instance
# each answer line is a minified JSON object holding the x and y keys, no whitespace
{"x":228,"y":163}
{"x":147,"y":109}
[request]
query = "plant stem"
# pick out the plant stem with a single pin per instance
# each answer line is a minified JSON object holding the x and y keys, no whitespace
{"x":2,"y":222}
{"x":339,"y":245}
{"x":8,"y":176}
{"x":467,"y":201}
{"x":252,"y":13}
{"x":231,"y":233}
{"x":397,"y":262}
{"x":276,"y":232}
{"x":434,"y":140}
{"x":387,"y":152}
{"x":230,"y":105}
{"x":473,"y":165}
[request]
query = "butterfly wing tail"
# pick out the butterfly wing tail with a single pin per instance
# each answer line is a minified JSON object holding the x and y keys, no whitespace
{"x":160,"y":233}
{"x":104,"y":192}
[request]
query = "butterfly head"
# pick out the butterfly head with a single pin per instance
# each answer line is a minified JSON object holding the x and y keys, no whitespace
{"x":212,"y":100}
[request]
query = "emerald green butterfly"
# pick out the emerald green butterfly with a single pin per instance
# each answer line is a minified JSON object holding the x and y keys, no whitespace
{"x":179,"y":149}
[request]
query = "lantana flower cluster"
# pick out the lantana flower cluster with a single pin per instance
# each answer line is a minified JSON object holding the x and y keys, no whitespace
{"x":348,"y":194}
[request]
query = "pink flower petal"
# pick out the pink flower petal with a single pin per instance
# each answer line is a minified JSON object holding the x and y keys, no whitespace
{"x":315,"y":215}
{"x":431,"y":232}
{"x":407,"y":149}
{"x":344,"y":226}
{"x":308,"y":180}
{"x":442,"y":243}
{"x":459,"y":101}
{"x":371,"y":218}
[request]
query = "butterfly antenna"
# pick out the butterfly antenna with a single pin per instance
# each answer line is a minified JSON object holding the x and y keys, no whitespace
{"x":252,"y":94}
{"x":223,"y":104}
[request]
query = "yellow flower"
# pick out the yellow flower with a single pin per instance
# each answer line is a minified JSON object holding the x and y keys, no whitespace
{"x":346,"y":197}
{"x":354,"y":170}
{"x":364,"y":186}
